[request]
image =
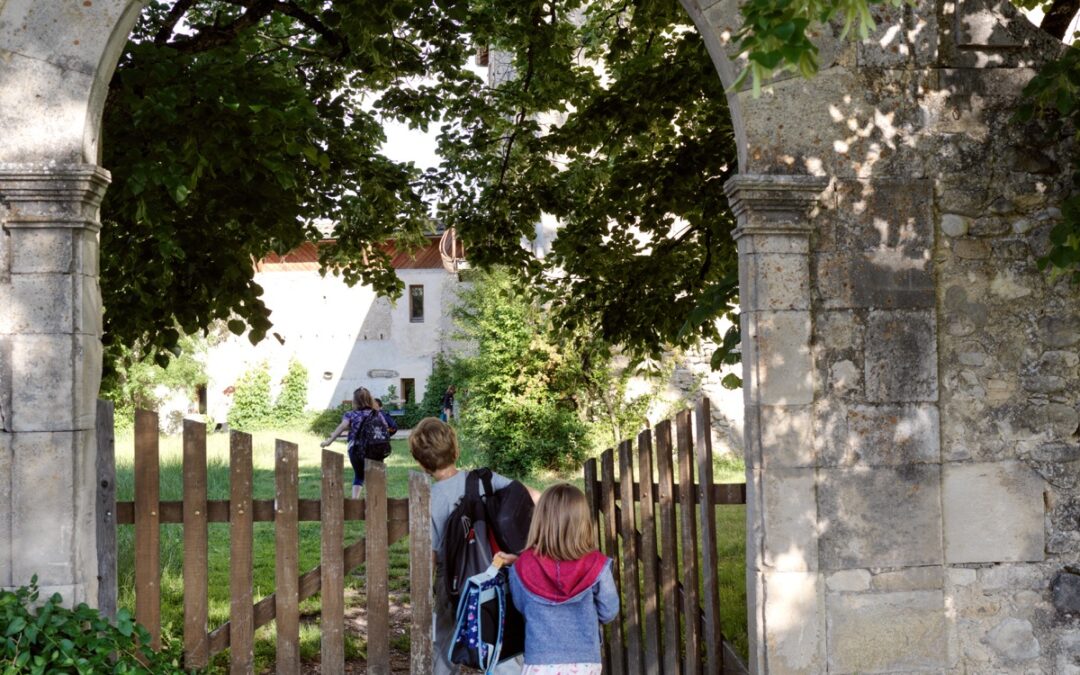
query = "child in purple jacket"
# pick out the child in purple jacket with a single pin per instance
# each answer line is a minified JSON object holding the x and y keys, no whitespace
{"x":563,"y":587}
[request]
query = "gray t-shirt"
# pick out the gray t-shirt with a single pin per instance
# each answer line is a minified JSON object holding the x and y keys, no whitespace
{"x":445,"y":495}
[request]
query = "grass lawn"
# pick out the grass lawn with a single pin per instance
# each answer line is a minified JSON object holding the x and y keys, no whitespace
{"x":731,"y":535}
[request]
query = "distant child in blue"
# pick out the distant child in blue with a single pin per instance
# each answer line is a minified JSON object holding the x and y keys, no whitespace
{"x":391,"y":425}
{"x":563,"y":587}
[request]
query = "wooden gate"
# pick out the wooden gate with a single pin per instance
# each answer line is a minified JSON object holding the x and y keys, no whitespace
{"x":665,"y":549}
{"x":387,"y":521}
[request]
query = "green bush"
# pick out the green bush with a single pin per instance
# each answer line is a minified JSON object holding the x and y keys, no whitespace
{"x":251,"y":407}
{"x":324,"y":423}
{"x":411,"y":414}
{"x":51,"y":638}
{"x":131,"y":381}
{"x":291,"y":403}
{"x":521,"y":437}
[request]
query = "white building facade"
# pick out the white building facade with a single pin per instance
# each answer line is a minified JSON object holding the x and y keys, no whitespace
{"x":346,"y":337}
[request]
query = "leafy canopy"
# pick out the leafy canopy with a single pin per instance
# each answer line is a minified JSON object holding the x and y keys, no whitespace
{"x":235,"y":128}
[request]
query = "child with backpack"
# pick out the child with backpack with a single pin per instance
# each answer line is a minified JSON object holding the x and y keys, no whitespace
{"x":434,"y":445}
{"x":369,"y":437}
{"x":563,"y":587}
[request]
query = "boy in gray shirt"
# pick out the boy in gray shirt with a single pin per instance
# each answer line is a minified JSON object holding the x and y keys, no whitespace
{"x":434,"y":446}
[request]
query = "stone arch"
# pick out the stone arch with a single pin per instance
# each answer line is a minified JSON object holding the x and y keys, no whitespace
{"x":885,"y":209}
{"x":60,"y":56}
{"x":56,"y":60}
{"x":889,"y":215}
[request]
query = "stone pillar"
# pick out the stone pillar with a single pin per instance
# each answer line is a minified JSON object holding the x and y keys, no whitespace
{"x":785,"y":593}
{"x":50,"y":371}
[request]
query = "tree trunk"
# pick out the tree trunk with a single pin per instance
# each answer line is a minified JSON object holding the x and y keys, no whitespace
{"x":1059,"y":16}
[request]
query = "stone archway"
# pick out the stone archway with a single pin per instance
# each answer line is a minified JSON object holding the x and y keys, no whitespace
{"x":900,"y":405}
{"x":911,"y":378}
{"x":55,"y":63}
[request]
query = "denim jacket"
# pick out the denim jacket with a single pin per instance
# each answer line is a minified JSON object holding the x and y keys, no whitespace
{"x":565,"y":630}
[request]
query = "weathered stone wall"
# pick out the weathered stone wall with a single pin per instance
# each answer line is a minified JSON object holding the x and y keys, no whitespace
{"x":912,"y":380}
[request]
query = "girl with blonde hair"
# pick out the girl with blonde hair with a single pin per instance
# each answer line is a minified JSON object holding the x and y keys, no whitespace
{"x":563,"y":587}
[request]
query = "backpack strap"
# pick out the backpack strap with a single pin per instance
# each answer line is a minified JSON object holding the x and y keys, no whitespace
{"x":472,"y":484}
{"x":485,"y":476}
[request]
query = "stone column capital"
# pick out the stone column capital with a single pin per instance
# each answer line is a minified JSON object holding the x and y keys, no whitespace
{"x":51,"y":195}
{"x":767,"y":204}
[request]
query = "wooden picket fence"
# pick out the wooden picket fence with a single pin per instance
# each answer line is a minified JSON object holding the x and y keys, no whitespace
{"x":669,"y":620}
{"x":387,"y":521}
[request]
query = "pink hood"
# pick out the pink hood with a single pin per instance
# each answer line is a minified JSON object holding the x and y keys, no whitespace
{"x":555,"y":580}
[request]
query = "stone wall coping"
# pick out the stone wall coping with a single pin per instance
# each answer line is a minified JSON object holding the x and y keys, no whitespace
{"x":43,"y":195}
{"x":773,"y":204}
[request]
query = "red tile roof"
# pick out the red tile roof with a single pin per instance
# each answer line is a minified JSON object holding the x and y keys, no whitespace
{"x":306,"y":258}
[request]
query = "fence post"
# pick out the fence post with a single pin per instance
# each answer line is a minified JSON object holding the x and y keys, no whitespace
{"x":421,"y":658}
{"x":287,"y":558}
{"x":669,"y":552}
{"x":632,"y":610}
{"x":196,"y":547}
{"x":377,"y":569}
{"x":241,"y":534}
{"x":648,"y":555}
{"x":332,"y":514}
{"x":611,"y":542}
{"x":147,"y":521}
{"x":691,"y":602}
{"x":710,"y":593}
{"x":106,"y":509}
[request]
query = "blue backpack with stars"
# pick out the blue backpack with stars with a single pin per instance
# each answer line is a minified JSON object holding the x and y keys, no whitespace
{"x":489,"y":629}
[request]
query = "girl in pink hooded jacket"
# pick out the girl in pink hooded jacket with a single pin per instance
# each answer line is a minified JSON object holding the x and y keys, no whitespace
{"x":563,"y":587}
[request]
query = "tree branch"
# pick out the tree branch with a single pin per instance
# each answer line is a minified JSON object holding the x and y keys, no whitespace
{"x":210,"y":37}
{"x":297,"y":12}
{"x":175,"y":14}
{"x":1059,"y":16}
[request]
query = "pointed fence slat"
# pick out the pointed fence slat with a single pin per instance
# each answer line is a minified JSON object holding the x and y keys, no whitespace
{"x":147,"y":532}
{"x":106,"y":509}
{"x":196,"y":547}
{"x":611,"y":548}
{"x":669,"y":556}
{"x":378,"y":598}
{"x":668,"y":579}
{"x":710,"y":592}
{"x":689,"y":566}
{"x":648,"y":556}
{"x":287,"y":558}
{"x":422,"y":658}
{"x":332,"y":568}
{"x":631,"y":592}
{"x":241,"y":533}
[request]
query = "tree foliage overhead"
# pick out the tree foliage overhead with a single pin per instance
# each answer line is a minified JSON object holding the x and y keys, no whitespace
{"x":616,"y":124}
{"x":235,"y":128}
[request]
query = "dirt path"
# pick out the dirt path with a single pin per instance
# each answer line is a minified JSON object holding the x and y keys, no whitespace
{"x":356,"y":626}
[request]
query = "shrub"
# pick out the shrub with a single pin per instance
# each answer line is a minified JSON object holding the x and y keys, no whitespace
{"x":131,"y":381}
{"x":293,"y":398}
{"x":326,"y":421}
{"x":411,"y":413}
{"x":521,"y":437}
{"x":51,"y":638}
{"x":251,"y":400}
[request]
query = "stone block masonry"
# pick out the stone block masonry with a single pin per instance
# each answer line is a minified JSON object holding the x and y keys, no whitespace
{"x":913,"y":404}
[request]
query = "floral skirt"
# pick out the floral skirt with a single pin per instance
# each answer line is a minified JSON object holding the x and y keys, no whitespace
{"x":563,"y":669}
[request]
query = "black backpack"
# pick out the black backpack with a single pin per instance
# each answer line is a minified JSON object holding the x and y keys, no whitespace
{"x":372,"y":438}
{"x":469,"y":545}
{"x":482,"y":524}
